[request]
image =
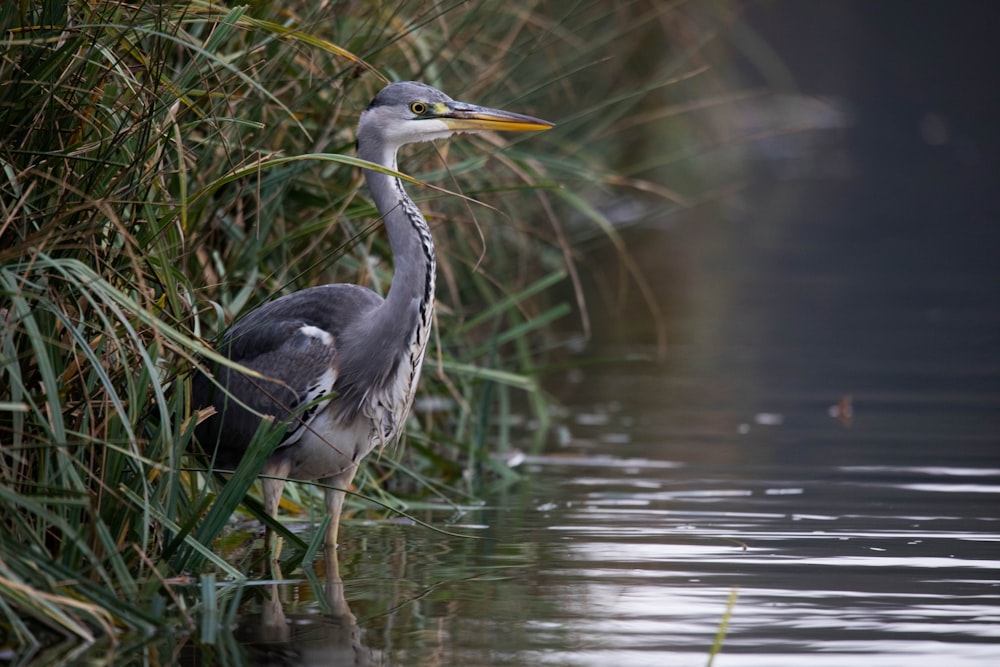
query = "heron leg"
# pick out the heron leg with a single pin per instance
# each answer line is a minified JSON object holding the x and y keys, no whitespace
{"x":273,"y":484}
{"x":335,"y":501}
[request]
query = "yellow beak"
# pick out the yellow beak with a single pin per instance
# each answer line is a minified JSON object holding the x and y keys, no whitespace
{"x":463,"y":117}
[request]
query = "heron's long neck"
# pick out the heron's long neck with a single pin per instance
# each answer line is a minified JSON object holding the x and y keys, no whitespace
{"x":412,"y":285}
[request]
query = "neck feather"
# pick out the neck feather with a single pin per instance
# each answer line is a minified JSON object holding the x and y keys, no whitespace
{"x":410,"y":300}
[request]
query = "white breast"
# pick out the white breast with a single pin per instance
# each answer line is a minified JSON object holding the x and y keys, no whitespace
{"x":387,"y":409}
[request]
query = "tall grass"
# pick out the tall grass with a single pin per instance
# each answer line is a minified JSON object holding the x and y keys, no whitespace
{"x":166,"y":166}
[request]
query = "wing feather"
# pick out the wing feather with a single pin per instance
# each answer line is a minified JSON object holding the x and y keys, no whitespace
{"x":292,"y":342}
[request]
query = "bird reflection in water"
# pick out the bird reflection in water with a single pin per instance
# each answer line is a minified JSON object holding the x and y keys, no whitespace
{"x":331,"y":637}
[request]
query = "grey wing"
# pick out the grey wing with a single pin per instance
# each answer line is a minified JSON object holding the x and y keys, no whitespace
{"x":292,"y":342}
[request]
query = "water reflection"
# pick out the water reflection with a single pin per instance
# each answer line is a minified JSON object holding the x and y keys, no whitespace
{"x":596,"y":558}
{"x":321,"y":631}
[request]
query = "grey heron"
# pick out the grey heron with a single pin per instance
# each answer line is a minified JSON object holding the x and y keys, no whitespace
{"x":341,"y":363}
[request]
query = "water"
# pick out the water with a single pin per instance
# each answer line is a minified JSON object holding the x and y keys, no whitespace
{"x":608,"y":558}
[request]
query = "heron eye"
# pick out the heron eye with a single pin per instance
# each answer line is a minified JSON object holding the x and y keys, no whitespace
{"x":418,"y":108}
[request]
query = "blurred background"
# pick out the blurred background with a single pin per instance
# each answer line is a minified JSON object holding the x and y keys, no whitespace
{"x":856,"y":249}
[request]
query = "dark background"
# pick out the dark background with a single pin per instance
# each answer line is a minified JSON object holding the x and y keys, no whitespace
{"x":910,"y":70}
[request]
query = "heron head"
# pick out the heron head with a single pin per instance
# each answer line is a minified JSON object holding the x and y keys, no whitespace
{"x":408,"y":112}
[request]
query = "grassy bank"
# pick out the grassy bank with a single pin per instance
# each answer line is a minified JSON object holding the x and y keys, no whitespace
{"x":168,"y":166}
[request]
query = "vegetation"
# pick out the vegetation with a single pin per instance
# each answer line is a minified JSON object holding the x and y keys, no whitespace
{"x":166,"y":166}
